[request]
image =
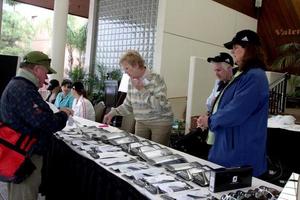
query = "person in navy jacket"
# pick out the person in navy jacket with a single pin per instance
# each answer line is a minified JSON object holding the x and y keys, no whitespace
{"x":240,"y":113}
{"x":23,"y":109}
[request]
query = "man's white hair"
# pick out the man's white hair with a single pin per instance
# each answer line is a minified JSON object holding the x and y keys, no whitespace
{"x":226,"y":65}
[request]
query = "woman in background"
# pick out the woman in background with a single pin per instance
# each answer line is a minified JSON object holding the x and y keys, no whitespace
{"x":65,"y":98}
{"x":53,"y":89}
{"x":81,"y":105}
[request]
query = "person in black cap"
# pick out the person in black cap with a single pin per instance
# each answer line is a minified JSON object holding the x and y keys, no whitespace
{"x":222,"y":66}
{"x":65,"y":98}
{"x":198,"y":142}
{"x":81,"y":105}
{"x":23,"y":109}
{"x":54,"y":89}
{"x":240,"y":113}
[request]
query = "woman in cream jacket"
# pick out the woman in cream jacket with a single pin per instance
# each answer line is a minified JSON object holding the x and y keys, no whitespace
{"x":81,"y":105}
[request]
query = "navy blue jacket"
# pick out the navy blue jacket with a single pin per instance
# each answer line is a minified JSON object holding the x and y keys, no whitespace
{"x":240,"y":123}
{"x":24,"y":110}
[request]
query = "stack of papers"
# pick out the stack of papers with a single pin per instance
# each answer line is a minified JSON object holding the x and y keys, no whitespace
{"x":118,"y":154}
{"x":107,"y":148}
{"x":182,"y":166}
{"x":113,"y":135}
{"x":170,"y":159}
{"x":153,"y":171}
{"x":188,"y":195}
{"x":130,"y":167}
{"x":161,"y":178}
{"x":170,"y":187}
{"x":156,"y":153}
{"x":116,"y":161}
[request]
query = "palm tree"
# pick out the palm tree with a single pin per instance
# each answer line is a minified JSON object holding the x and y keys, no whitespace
{"x":11,"y":2}
{"x":70,"y":41}
{"x":80,"y":43}
{"x":76,"y":39}
{"x":289,"y":59}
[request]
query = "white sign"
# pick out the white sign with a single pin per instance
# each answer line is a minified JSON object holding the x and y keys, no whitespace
{"x":124,"y":83}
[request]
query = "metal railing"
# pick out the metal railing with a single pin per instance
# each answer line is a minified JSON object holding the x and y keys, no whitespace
{"x":277,"y":96}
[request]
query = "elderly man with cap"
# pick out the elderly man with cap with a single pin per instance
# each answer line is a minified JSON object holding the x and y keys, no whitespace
{"x":23,"y":109}
{"x":223,"y":68}
{"x":240,"y":113}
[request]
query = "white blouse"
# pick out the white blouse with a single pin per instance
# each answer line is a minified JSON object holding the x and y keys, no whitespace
{"x":83,"y":108}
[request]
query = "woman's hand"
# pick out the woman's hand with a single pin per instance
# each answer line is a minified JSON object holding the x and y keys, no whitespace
{"x":137,"y":83}
{"x":107,"y":118}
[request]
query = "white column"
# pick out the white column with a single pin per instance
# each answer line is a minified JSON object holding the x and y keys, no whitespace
{"x":200,"y":83}
{"x":1,"y":7}
{"x":61,"y":8}
{"x":90,"y":39}
{"x":158,"y":48}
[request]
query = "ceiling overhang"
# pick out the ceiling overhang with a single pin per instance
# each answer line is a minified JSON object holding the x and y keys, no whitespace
{"x":81,"y":7}
{"x":76,"y":7}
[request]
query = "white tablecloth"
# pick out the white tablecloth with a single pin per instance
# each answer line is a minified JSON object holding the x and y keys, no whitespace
{"x":255,"y":182}
{"x":286,"y":122}
{"x":291,"y":189}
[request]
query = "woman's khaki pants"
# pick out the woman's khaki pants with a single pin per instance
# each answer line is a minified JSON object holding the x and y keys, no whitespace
{"x":157,"y":131}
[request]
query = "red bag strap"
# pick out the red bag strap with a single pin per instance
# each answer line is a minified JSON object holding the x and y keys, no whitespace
{"x":22,"y":145}
{"x":11,"y":146}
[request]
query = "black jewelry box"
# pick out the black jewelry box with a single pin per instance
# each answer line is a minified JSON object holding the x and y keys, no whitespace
{"x":223,"y":179}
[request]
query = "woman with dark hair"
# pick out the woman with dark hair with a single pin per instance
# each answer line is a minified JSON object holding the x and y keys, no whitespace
{"x":65,"y":98}
{"x":240,"y":113}
{"x":81,"y":105}
{"x":53,"y":89}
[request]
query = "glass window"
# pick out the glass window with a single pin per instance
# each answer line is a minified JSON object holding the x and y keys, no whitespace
{"x":123,"y":25}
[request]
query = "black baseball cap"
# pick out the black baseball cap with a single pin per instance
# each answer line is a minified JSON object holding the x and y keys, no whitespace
{"x":244,"y":37}
{"x":222,"y":57}
{"x":53,"y":84}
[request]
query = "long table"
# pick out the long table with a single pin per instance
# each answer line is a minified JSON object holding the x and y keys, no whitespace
{"x":70,"y":174}
{"x":282,"y":146}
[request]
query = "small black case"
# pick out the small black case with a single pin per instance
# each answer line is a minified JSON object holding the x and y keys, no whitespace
{"x":223,"y":179}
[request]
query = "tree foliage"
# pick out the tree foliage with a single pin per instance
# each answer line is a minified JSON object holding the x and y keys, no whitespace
{"x":288,"y":59}
{"x":76,"y":39}
{"x":11,"y":2}
{"x":78,"y":74}
{"x":17,"y":34}
{"x":95,"y":83}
